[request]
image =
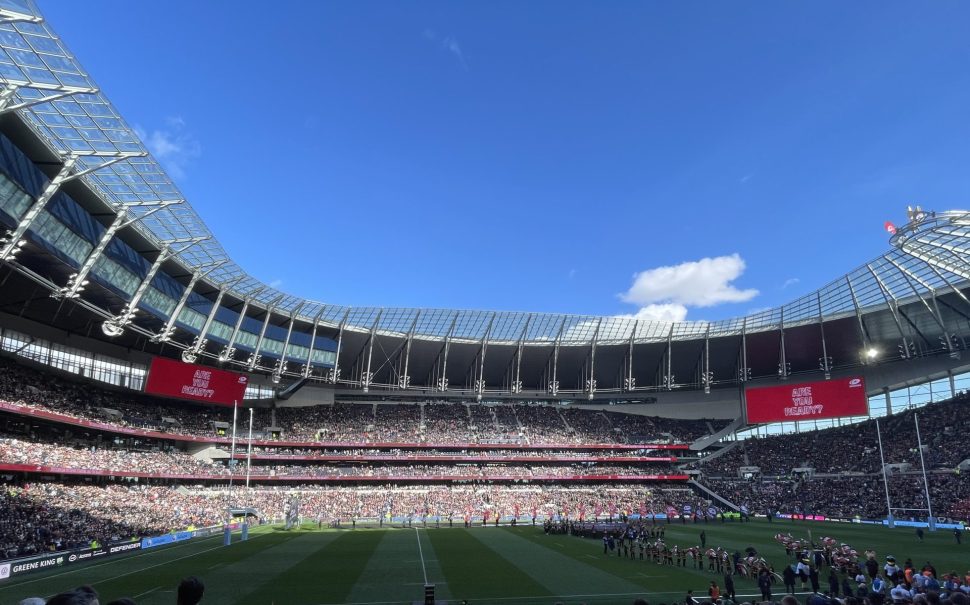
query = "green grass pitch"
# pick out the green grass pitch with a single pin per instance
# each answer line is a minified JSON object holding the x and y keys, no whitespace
{"x":501,"y":566}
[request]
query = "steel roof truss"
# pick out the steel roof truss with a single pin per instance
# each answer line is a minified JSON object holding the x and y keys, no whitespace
{"x":893,"y":305}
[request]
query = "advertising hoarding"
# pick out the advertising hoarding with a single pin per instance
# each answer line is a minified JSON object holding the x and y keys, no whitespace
{"x":170,"y":378}
{"x":807,"y":400}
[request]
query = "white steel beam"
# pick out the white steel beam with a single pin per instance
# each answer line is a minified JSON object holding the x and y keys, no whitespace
{"x":256,"y":355}
{"x":114,"y":326}
{"x":169,"y":328}
{"x":335,"y":371}
{"x":14,"y":241}
{"x":230,"y":349}
{"x":190,"y":354}
{"x":307,"y":368}
{"x":77,"y":281}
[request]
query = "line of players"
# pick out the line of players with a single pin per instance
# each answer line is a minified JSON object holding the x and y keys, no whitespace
{"x":647,"y":544}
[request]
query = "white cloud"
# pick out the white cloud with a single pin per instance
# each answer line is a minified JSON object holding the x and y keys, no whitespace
{"x":572,"y":273}
{"x":791,"y":281}
{"x":276,"y":283}
{"x":174,"y":146}
{"x":449,"y":44}
{"x":702,"y":283}
{"x":662,"y":312}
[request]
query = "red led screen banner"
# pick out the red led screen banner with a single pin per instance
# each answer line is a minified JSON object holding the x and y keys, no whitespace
{"x":170,"y":378}
{"x":807,"y":400}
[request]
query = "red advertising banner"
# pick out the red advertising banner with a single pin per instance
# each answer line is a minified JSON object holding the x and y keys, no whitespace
{"x":807,"y":400}
{"x":170,"y":378}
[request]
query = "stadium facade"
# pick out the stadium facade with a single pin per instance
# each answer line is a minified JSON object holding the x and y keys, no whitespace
{"x":100,"y":246}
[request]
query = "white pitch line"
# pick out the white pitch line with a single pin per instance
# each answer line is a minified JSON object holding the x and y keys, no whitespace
{"x":138,"y":596}
{"x":138,"y":555}
{"x":424,"y":570}
{"x":109,"y":561}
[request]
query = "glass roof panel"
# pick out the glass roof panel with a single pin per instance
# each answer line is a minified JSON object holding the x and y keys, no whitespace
{"x":928,"y":254}
{"x":508,"y":327}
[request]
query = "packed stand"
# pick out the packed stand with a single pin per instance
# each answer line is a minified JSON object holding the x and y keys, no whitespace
{"x":161,"y":463}
{"x":341,"y":422}
{"x":861,"y":496}
{"x":855,"y":447}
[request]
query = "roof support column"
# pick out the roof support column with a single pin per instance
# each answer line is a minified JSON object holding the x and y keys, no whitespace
{"x":256,"y":355}
{"x":516,"y":386}
{"x":281,"y":364}
{"x":230,"y":348}
{"x":907,"y":349}
{"x":553,"y":386}
{"x":442,"y":384}
{"x":868,"y":352}
{"x":591,"y":379}
{"x":190,"y":354}
{"x":367,"y":375}
{"x":307,"y":368}
{"x":335,"y":371}
{"x":825,"y":363}
{"x":668,"y":381}
{"x":404,"y":380}
{"x":707,"y":377}
{"x":784,"y":368}
{"x":115,"y":326}
{"x":744,"y":372}
{"x":169,"y":328}
{"x":630,"y":383}
{"x":480,"y":381}
{"x":77,"y":281}
{"x":14,"y":241}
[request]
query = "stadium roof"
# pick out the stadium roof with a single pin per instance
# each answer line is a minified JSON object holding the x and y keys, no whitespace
{"x":53,"y":94}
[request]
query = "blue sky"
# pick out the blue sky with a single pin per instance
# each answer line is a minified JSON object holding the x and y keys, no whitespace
{"x":690,"y":158}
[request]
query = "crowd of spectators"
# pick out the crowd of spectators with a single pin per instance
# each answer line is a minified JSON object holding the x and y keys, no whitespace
{"x":41,"y":517}
{"x":35,"y":453}
{"x":855,"y":447}
{"x":161,"y":463}
{"x":445,"y":454}
{"x":846,"y":480}
{"x":852,"y":496}
{"x":445,"y":423}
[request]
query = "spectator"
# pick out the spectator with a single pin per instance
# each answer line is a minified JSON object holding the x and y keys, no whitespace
{"x":190,"y":591}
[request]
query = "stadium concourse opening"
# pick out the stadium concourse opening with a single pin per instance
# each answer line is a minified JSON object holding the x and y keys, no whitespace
{"x":174,"y":429}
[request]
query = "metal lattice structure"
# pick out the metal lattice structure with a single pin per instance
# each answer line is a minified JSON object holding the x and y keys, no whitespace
{"x":48,"y":90}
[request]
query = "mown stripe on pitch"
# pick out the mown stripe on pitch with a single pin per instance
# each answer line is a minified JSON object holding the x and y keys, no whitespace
{"x":556,"y":569}
{"x":654,"y":578}
{"x":394,"y":570}
{"x":168,"y":575}
{"x":123,"y":575}
{"x":476,"y":573}
{"x":324,"y":573}
{"x":231,"y":583}
{"x":436,"y":574}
